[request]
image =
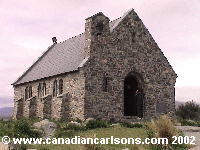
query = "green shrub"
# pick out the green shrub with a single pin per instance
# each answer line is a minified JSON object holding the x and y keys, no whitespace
{"x":189,"y":110}
{"x":190,"y":123}
{"x":74,"y":127}
{"x":22,"y":128}
{"x":6,"y":128}
{"x":132,"y":125}
{"x":93,"y":124}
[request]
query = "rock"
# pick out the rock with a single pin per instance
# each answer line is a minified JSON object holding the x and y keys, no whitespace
{"x":47,"y":127}
{"x":74,"y":123}
{"x":126,"y":149}
{"x":115,"y":125}
{"x":4,"y":146}
{"x":12,"y":146}
{"x":87,"y":120}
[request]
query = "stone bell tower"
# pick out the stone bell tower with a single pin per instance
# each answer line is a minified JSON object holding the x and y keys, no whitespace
{"x":96,"y":31}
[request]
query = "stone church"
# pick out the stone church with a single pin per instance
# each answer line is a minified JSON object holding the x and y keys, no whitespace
{"x":98,"y":74}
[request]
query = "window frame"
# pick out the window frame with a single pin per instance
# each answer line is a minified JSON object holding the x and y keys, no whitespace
{"x":60,"y":87}
{"x":55,"y":87}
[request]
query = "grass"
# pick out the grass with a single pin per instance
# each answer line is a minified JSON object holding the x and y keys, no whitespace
{"x":162,"y":127}
{"x":120,"y":132}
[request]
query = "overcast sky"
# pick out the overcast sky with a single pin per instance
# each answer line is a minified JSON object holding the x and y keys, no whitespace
{"x":27,"y":27}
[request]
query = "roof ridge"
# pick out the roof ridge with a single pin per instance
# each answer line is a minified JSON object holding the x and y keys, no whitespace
{"x":84,"y":32}
{"x":72,"y":37}
{"x":79,"y":37}
{"x":115,"y":19}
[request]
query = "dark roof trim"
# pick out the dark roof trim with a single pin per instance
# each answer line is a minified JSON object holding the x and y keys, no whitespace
{"x":65,"y":73}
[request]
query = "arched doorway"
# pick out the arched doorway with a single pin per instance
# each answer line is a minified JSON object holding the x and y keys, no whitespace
{"x":133,"y":103}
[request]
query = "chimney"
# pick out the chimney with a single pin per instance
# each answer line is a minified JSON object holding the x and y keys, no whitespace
{"x":54,"y":40}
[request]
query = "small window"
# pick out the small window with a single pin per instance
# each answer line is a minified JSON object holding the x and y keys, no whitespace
{"x":105,"y":84}
{"x":26,"y":93}
{"x":39,"y":90}
{"x":99,"y":27}
{"x":30,"y":91}
{"x":60,"y":86}
{"x":44,"y":89}
{"x":55,"y":88}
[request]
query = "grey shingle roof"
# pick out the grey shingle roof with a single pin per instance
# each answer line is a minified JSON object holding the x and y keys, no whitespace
{"x":60,"y":58}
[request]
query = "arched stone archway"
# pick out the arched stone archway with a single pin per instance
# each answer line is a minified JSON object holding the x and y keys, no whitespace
{"x":133,"y":101}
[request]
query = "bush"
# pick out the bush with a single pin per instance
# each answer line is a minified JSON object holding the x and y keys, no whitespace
{"x":161,"y":128}
{"x":93,"y":124}
{"x":189,"y":110}
{"x":74,"y":127}
{"x":190,"y":123}
{"x":22,"y":128}
{"x":132,"y":125}
{"x":6,"y":128}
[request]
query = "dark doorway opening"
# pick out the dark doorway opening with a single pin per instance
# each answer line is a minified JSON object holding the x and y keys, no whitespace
{"x":133,"y":97}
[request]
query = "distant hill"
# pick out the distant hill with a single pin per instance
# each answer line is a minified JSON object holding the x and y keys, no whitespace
{"x":178,"y":103}
{"x":6,"y":112}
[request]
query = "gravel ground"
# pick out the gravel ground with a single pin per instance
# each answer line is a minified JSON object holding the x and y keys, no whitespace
{"x":192,"y":131}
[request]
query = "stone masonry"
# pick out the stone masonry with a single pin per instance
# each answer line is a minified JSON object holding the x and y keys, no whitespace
{"x":111,"y":52}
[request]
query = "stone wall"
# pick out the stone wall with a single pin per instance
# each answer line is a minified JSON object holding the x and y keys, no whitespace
{"x":52,"y":107}
{"x":129,"y":48}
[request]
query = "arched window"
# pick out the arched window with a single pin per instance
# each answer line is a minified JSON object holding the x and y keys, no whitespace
{"x":99,"y":27}
{"x":39,"y":90}
{"x":60,"y":86}
{"x":44,"y":89}
{"x":105,"y":84}
{"x":30,"y":91}
{"x":26,"y":93}
{"x":55,"y":88}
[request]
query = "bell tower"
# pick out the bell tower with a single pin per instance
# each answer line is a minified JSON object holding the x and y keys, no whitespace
{"x":96,"y":31}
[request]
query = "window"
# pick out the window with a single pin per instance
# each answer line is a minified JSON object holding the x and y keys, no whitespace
{"x":99,"y":27}
{"x":30,"y":92}
{"x":60,"y":86}
{"x":44,"y":89}
{"x":39,"y":90}
{"x":26,"y":93}
{"x":55,"y":88}
{"x":105,"y":84}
